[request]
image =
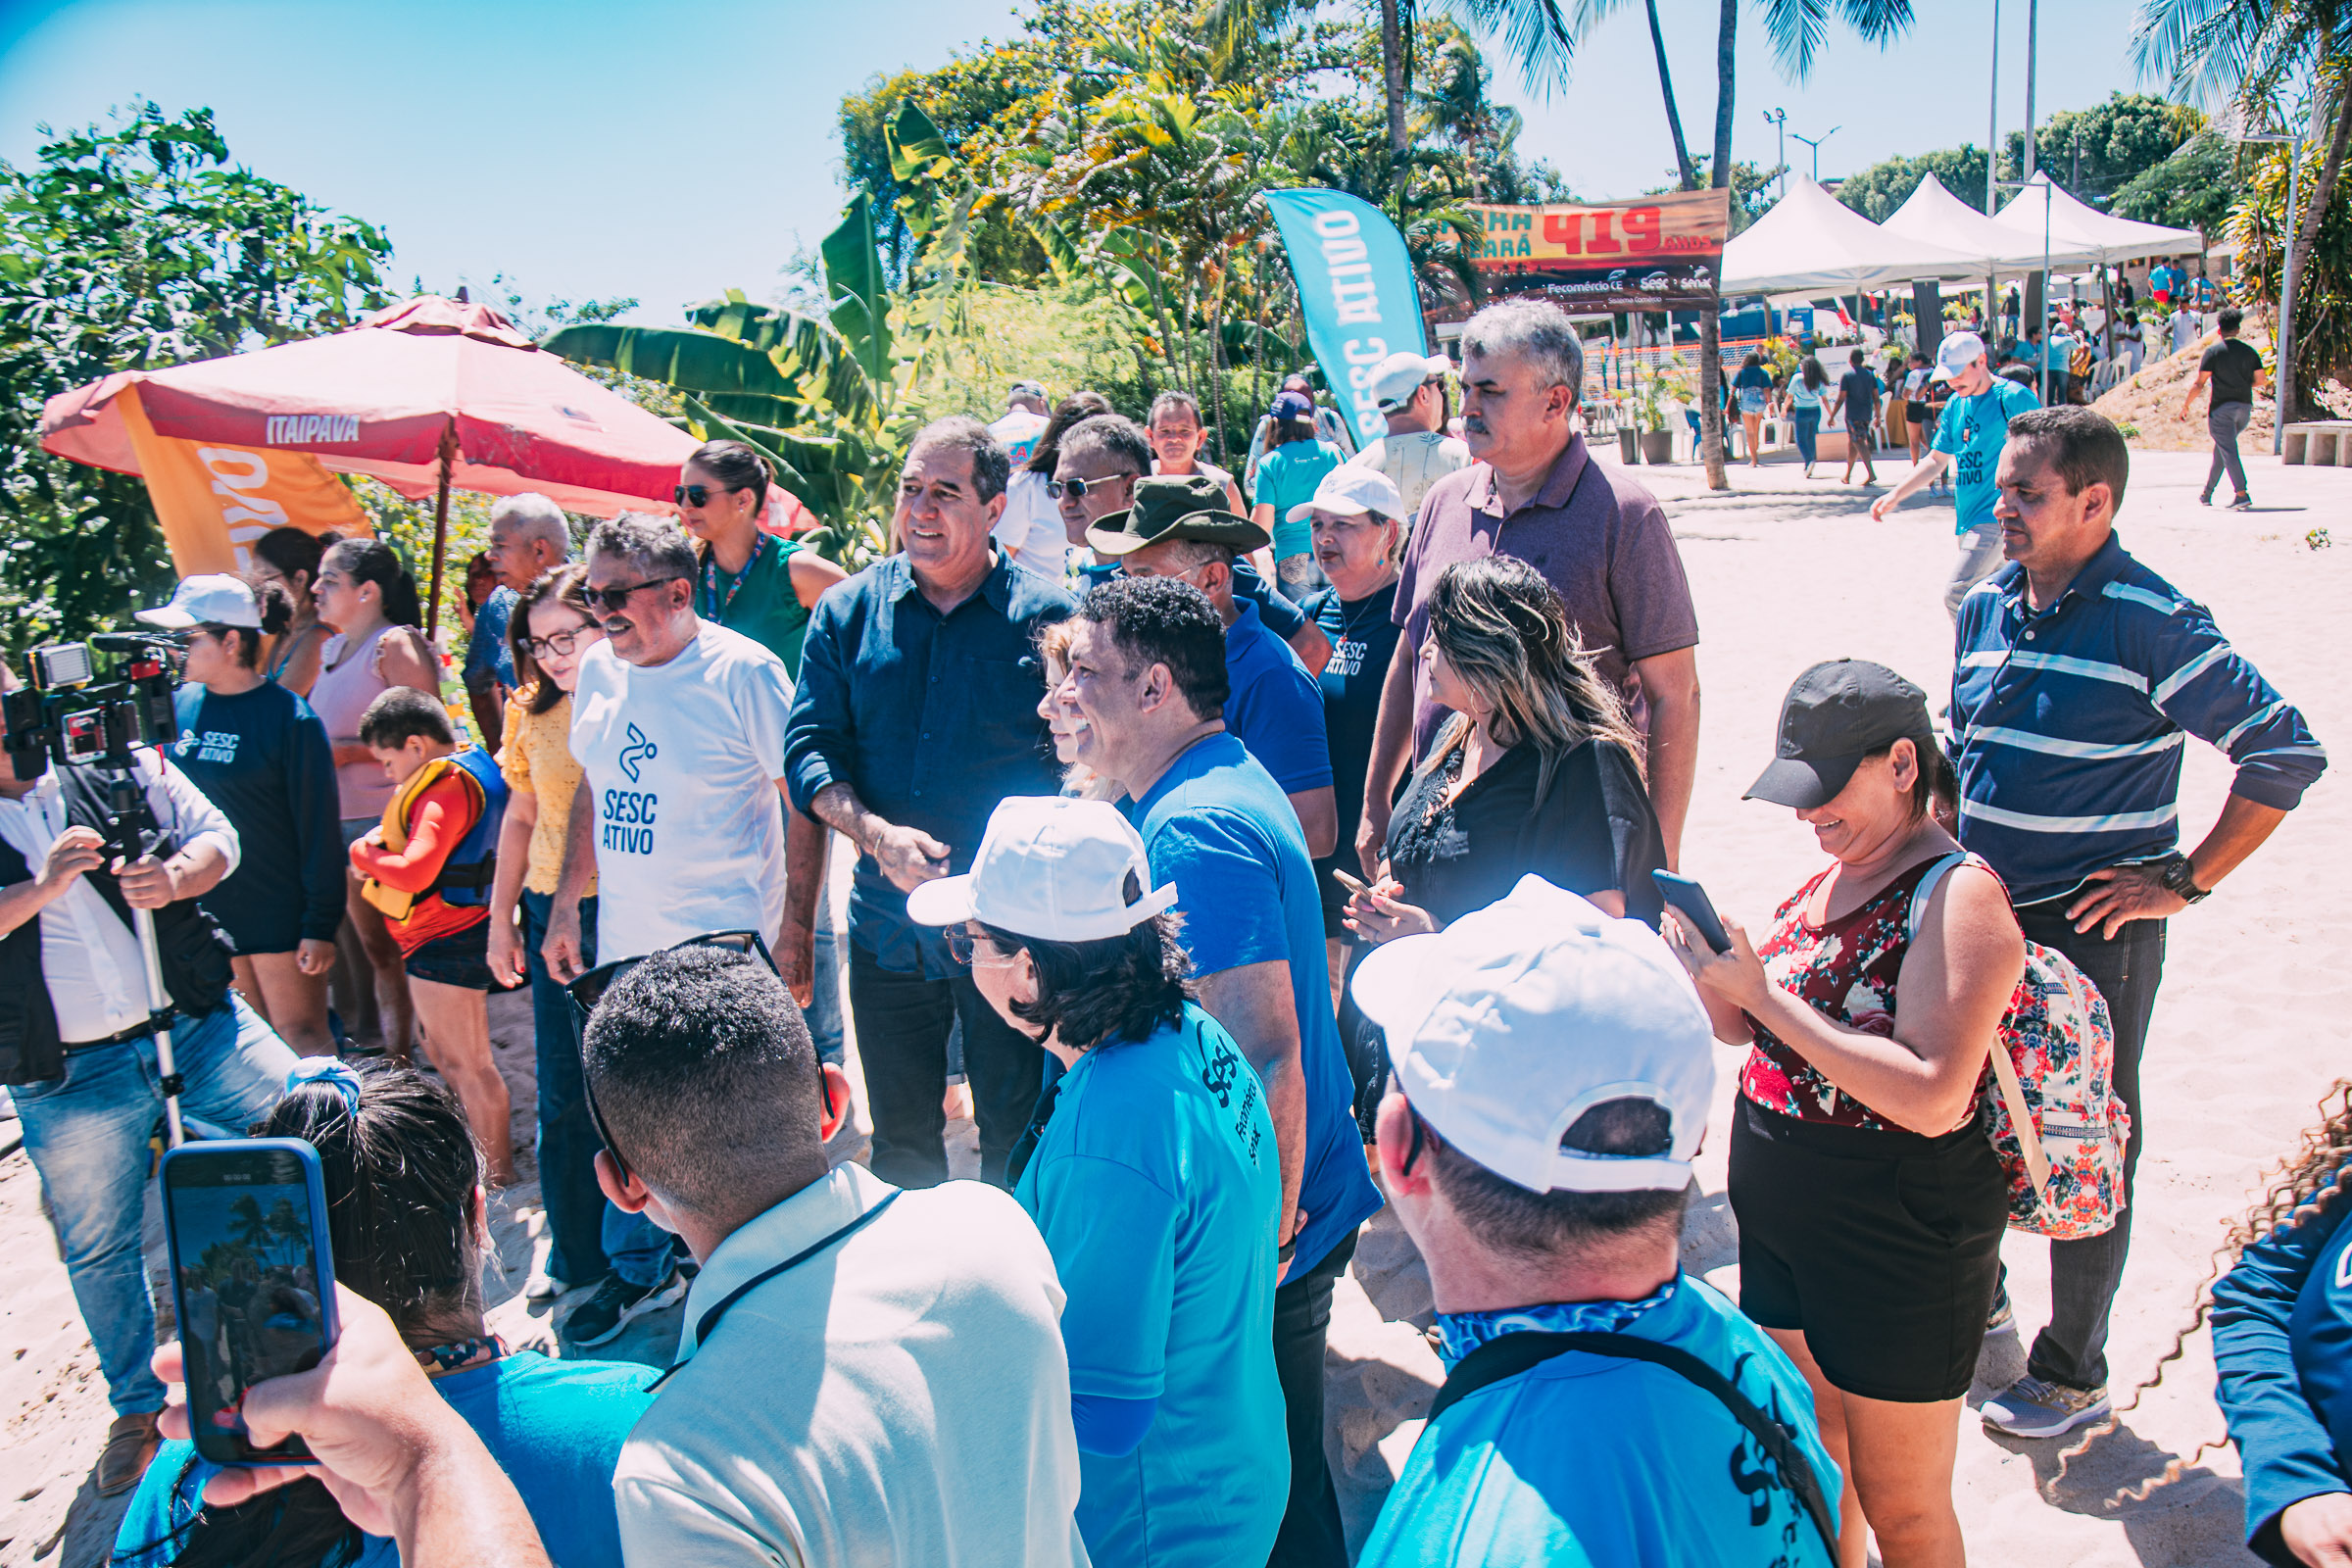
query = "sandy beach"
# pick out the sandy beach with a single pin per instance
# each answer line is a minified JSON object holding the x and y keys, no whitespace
{"x":1786,"y":571}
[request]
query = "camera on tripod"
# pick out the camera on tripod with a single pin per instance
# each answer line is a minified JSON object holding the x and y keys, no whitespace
{"x":69,"y":717}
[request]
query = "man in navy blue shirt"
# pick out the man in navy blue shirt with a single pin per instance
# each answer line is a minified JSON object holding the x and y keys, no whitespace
{"x":916,"y":712}
{"x":2079,"y":679}
{"x":1146,"y":687}
{"x":1179,"y":527}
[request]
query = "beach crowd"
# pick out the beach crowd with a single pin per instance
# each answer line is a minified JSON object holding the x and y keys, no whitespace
{"x":1246,"y":851}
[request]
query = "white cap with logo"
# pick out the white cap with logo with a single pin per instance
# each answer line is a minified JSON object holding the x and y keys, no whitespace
{"x":1956,"y":353}
{"x":208,"y":599}
{"x":1518,"y":1018}
{"x":1056,"y":869}
{"x":1397,"y":377}
{"x":1351,"y":490}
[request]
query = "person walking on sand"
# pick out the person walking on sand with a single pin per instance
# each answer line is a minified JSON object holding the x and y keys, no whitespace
{"x":1969,"y":437}
{"x":2076,"y":652}
{"x":1858,"y":401}
{"x":2235,"y":372}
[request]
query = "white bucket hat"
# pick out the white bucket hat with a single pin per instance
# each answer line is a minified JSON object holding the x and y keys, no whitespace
{"x":1055,"y":870}
{"x":1516,"y":1019}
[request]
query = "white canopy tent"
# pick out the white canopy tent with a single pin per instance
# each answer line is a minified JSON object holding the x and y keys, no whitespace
{"x":1811,"y":239}
{"x":1933,"y":215}
{"x":2079,"y":232}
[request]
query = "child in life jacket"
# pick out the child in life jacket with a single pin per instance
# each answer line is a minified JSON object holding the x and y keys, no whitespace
{"x":429,"y":867}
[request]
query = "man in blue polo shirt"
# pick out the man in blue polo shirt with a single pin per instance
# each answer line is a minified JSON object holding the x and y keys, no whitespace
{"x":1179,"y":527}
{"x":1145,"y":688}
{"x":2079,"y":679}
{"x":1968,"y":445}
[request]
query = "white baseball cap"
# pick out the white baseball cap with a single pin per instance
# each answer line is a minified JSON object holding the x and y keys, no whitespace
{"x":1056,"y":869}
{"x":1397,"y":377}
{"x":1352,"y":489}
{"x":209,"y":599}
{"x":1956,"y":353}
{"x":1518,"y":1018}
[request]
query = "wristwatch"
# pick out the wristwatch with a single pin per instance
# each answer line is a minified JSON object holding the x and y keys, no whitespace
{"x":2178,"y":874}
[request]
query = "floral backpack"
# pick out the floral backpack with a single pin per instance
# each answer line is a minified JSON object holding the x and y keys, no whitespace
{"x":2057,"y":1125}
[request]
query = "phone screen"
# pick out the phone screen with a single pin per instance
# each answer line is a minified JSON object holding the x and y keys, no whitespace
{"x":254,"y":1297}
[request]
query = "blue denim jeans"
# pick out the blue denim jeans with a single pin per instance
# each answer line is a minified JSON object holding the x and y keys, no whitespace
{"x":824,"y":1012}
{"x":87,"y":1133}
{"x":1808,"y":428}
{"x":589,"y":1236}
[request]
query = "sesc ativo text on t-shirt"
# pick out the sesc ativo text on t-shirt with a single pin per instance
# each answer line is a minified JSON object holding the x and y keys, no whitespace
{"x":681,"y":762}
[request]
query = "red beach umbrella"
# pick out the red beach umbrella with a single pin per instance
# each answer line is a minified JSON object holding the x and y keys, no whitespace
{"x":425,"y":395}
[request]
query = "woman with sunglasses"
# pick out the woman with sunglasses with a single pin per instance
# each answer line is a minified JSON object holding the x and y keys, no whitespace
{"x":1151,"y":1171}
{"x":747,"y":579}
{"x":259,"y":753}
{"x":410,"y":1233}
{"x":369,"y":600}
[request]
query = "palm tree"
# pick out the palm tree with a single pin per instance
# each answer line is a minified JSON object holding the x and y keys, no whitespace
{"x":2247,"y":53}
{"x":1798,"y":29}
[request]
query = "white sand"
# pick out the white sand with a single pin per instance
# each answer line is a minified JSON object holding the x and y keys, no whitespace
{"x":1785,"y":572}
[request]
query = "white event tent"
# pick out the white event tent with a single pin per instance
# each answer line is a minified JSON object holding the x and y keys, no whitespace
{"x":1936,"y":216}
{"x":1811,"y":240}
{"x":2081,"y":232}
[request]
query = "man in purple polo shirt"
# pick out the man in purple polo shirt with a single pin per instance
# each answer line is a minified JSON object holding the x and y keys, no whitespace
{"x":1600,"y":539}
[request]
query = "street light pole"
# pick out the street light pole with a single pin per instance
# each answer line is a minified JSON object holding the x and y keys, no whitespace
{"x":1815,"y":142}
{"x":1780,"y":118}
{"x":1992,"y":151}
{"x":2286,"y":302}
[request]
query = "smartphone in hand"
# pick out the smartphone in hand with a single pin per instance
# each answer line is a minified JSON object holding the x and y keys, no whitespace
{"x":1685,"y":897}
{"x":252,"y":1280}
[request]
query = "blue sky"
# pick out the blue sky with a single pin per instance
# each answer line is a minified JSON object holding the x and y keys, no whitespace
{"x":594,"y":148}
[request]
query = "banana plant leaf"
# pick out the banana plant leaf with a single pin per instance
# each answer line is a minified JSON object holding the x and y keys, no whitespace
{"x":681,"y":357}
{"x":860,"y":289}
{"x":1241,"y":341}
{"x":831,"y":495}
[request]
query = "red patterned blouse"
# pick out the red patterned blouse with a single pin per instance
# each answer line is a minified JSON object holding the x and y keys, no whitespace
{"x":1845,"y":970}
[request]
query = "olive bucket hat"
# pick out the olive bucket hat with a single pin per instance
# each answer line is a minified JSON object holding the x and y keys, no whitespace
{"x":1190,"y":505}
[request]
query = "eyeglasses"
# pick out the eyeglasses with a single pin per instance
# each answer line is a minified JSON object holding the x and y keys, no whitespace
{"x":589,"y":990}
{"x":1076,"y":488}
{"x":962,"y":945}
{"x":560,"y":644}
{"x":614,"y":599}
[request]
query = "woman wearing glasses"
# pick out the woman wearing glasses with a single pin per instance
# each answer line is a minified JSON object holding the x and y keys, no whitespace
{"x":1151,"y":1171}
{"x":748,"y":580}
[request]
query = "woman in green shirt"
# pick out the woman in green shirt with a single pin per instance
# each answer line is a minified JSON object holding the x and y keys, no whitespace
{"x":749,"y":580}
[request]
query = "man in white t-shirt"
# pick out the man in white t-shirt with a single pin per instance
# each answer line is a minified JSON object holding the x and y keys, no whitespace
{"x":678,"y":727}
{"x":865,"y":1375}
{"x":1416,"y":452}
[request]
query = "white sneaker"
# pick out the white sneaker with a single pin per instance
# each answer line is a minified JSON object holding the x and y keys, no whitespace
{"x":543,"y":1287}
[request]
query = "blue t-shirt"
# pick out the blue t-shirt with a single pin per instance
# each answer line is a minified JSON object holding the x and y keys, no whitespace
{"x":554,"y":1428}
{"x":1216,"y":824}
{"x":263,"y":758}
{"x":1974,"y":431}
{"x":1273,"y":705}
{"x":1287,"y":477}
{"x":1157,"y":1188}
{"x":1591,"y":1460}
{"x":1753,"y":384}
{"x":487,"y":651}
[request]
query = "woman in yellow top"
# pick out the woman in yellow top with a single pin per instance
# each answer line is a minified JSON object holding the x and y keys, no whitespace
{"x":551,"y":631}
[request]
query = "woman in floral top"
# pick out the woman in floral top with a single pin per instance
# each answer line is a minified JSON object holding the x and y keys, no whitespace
{"x":1870,"y":1202}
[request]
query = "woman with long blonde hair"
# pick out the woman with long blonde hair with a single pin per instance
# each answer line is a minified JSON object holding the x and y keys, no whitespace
{"x":1539,"y":770}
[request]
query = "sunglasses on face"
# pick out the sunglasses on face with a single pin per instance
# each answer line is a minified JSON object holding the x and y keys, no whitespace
{"x":1076,"y":489}
{"x":560,"y":644}
{"x":615,"y":600}
{"x":696,"y":495}
{"x":589,"y":990}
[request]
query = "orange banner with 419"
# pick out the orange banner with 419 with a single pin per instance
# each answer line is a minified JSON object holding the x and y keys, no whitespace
{"x":1644,"y":253}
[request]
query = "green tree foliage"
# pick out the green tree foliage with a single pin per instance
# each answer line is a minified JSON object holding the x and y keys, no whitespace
{"x":125,"y":247}
{"x":2095,"y":152}
{"x":2324,"y":287}
{"x":2193,"y":188}
{"x":1877,"y":191}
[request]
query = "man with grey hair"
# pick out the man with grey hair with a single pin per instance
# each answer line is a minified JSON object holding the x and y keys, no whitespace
{"x":916,"y":713}
{"x":678,"y":727}
{"x":1534,"y":491}
{"x":528,"y":535}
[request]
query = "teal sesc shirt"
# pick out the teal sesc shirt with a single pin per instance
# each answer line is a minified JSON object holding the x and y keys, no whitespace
{"x":554,"y":1428}
{"x":1974,"y":431}
{"x":1285,"y":476}
{"x":1156,"y":1186}
{"x":1586,"y":1462}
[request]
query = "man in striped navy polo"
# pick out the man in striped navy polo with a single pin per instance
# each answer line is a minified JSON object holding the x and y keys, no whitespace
{"x":2080,"y":675}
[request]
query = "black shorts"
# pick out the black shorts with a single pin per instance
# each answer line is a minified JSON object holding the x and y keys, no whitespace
{"x":1883,"y":1248}
{"x":1916,"y":413}
{"x":460,"y":959}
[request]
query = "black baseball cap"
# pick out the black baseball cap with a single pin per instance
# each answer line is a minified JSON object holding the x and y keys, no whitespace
{"x":1837,"y":713}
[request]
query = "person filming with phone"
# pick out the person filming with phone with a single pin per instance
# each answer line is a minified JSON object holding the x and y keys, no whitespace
{"x":78,"y":1044}
{"x":1871,"y":1203}
{"x":402,"y":1178}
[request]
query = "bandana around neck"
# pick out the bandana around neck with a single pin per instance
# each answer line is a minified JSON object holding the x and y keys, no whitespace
{"x":1460,"y":1333}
